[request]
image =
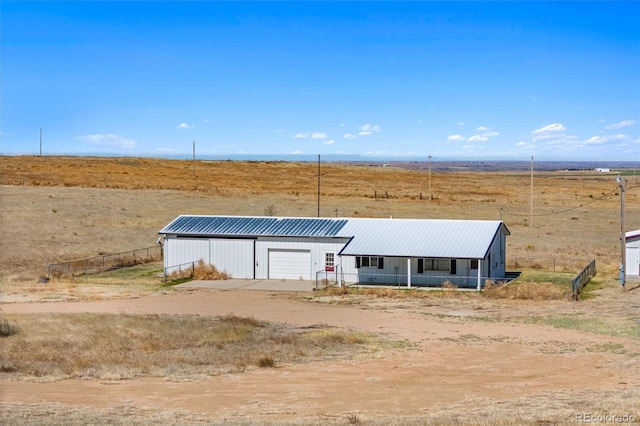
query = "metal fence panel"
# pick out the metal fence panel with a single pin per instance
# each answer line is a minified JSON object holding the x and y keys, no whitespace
{"x":106,"y":262}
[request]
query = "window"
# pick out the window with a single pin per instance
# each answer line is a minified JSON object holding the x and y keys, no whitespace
{"x":473,"y":264}
{"x":329,"y":261}
{"x":435,"y":265}
{"x":369,"y":262}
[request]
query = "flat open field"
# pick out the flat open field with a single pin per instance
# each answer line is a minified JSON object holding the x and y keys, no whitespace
{"x":448,"y":358}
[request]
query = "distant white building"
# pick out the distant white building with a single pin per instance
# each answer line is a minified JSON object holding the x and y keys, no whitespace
{"x":633,"y":252}
{"x":409,"y":252}
{"x":603,"y":170}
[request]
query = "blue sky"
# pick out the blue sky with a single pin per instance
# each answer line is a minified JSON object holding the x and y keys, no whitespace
{"x":455,"y":80}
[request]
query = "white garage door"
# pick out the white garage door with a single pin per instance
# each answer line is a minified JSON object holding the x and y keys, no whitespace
{"x":290,"y":264}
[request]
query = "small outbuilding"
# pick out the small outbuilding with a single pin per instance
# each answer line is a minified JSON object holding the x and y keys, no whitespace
{"x":409,"y":252}
{"x":632,"y":241}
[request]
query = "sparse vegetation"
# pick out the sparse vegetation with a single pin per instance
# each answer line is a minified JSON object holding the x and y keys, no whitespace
{"x":7,"y":328}
{"x":58,"y":346}
{"x":81,"y":207}
{"x":532,"y":285}
{"x":200,"y":271}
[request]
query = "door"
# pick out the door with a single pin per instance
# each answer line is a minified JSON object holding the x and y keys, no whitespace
{"x":330,"y":261}
{"x":290,"y":264}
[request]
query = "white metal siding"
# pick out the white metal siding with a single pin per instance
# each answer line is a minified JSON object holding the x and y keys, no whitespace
{"x":633,"y":260}
{"x":316,"y":246}
{"x":290,"y":264}
{"x":179,"y":251}
{"x":234,"y":256}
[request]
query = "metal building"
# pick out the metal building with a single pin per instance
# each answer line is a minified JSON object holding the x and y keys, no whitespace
{"x":409,"y":252}
{"x":632,"y":241}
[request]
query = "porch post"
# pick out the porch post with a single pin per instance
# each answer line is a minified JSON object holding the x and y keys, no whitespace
{"x":479,"y":272}
{"x":408,"y":272}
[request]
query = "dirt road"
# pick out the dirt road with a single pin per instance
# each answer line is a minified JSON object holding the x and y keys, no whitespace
{"x":459,"y":357}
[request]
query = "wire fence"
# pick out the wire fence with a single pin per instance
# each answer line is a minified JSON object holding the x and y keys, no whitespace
{"x":183,"y":271}
{"x":106,"y":262}
{"x":324,"y":279}
{"x":556,"y":264}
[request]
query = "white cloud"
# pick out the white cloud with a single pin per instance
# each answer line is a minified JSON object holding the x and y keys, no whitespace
{"x":455,"y":138}
{"x":318,"y":135}
{"x":365,"y":130}
{"x":368,"y":129}
{"x":477,"y":138}
{"x":314,"y":135}
{"x":490,"y":134}
{"x":621,"y":124}
{"x":296,"y":152}
{"x":482,"y":129}
{"x":460,"y":123}
{"x":525,"y":145}
{"x":207,"y":121}
{"x":329,"y":142}
{"x":166,"y":149}
{"x":184,"y":126}
{"x":108,"y":139}
{"x":551,"y":128}
{"x":551,"y":131}
{"x":597,"y":140}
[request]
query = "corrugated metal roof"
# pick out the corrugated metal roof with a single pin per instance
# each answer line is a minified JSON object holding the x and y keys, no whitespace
{"x":430,"y":238}
{"x":254,"y":226}
{"x":632,"y":235}
{"x":462,"y":239}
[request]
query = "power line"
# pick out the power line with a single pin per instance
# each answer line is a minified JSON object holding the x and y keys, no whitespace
{"x":566,"y":210}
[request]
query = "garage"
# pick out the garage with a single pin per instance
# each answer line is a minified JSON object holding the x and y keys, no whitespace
{"x":290,"y":264}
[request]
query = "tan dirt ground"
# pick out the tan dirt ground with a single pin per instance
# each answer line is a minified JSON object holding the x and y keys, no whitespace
{"x":458,"y":357}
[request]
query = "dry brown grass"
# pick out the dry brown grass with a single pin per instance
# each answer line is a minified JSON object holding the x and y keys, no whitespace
{"x":114,"y":347}
{"x":200,"y":271}
{"x":63,"y":208}
{"x":526,"y":291}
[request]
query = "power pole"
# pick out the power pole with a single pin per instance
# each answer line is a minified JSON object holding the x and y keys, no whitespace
{"x":430,"y":196}
{"x":623,"y":235}
{"x":531,"y":213}
{"x":318,"y":185}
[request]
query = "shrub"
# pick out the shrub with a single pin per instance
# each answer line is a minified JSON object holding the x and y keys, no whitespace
{"x":266,"y":361}
{"x":8,"y":328}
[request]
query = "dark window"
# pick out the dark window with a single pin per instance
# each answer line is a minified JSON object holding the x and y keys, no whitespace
{"x":365,"y":261}
{"x":358,"y":263}
{"x":452,"y":271}
{"x":473,"y":264}
{"x":381,"y":263}
{"x":433,"y":265}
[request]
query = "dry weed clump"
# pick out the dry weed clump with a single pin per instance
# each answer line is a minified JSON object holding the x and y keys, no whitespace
{"x":115,"y":347}
{"x":200,"y":271}
{"x":7,"y":328}
{"x":525,"y":291}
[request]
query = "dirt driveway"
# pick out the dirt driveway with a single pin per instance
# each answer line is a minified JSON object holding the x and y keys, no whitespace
{"x":463,"y":364}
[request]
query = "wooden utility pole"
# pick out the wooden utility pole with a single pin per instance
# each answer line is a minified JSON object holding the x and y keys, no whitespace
{"x":430,"y":196}
{"x":318,"y":185}
{"x":531,"y":209}
{"x":623,"y":235}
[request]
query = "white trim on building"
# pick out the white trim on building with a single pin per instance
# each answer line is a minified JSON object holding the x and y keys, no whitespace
{"x":632,"y":244}
{"x":410,"y":252}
